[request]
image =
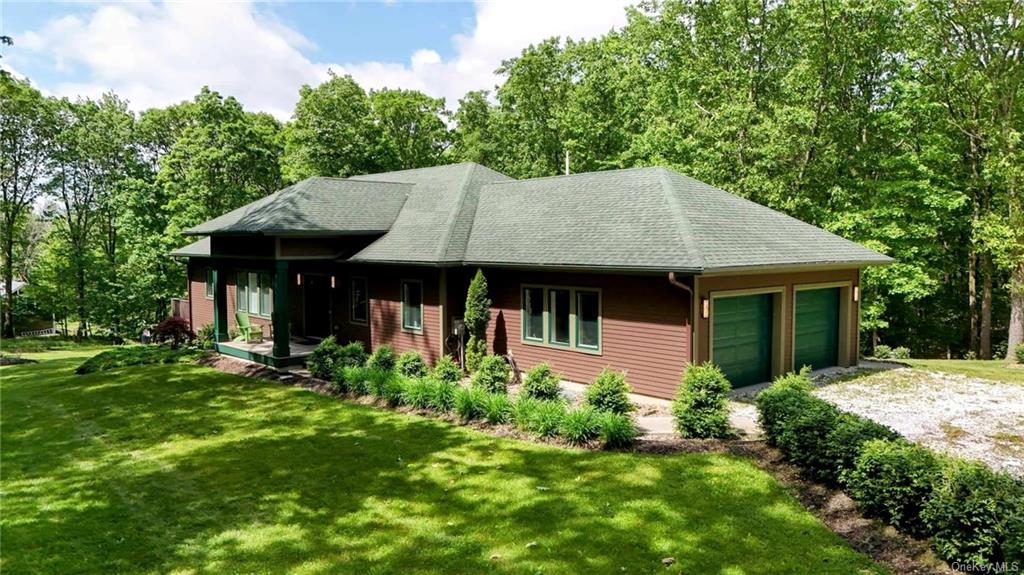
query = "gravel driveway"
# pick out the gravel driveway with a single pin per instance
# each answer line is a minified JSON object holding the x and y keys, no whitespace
{"x":964,"y":416}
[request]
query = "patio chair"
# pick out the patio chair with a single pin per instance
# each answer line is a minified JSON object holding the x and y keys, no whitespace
{"x":246,"y":330}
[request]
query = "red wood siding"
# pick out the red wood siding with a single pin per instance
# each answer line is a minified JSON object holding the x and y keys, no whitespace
{"x":386,"y":310}
{"x":644,"y":331}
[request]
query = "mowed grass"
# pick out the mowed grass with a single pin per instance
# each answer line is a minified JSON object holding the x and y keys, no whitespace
{"x":994,"y":369}
{"x":182,"y":469}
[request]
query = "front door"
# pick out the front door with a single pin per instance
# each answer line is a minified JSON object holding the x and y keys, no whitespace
{"x":316,"y":305}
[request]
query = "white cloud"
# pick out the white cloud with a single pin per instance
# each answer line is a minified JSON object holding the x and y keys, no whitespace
{"x":157,"y":54}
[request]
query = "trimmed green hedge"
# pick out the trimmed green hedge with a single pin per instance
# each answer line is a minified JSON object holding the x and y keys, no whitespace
{"x":972,"y":513}
{"x":701,"y":408}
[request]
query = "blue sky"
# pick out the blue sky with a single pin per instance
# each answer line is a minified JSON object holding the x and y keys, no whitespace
{"x":156,"y":53}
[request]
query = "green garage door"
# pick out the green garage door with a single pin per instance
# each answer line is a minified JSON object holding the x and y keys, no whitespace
{"x":817,"y":328}
{"x":742,"y":329}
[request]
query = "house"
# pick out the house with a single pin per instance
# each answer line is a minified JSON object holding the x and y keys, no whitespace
{"x":643,"y":270}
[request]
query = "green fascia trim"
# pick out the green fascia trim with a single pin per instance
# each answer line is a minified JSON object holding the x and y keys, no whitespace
{"x":268,"y":360}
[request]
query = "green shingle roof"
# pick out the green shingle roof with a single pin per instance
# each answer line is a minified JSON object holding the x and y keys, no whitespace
{"x":643,"y":219}
{"x":316,"y":206}
{"x":196,"y":249}
{"x":433,"y":226}
{"x":635,"y":219}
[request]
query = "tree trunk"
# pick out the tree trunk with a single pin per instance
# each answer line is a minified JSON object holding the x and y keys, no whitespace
{"x":972,"y":300}
{"x":985,"y":343}
{"x":83,"y":323}
{"x":1016,"y":331}
{"x":8,"y":300}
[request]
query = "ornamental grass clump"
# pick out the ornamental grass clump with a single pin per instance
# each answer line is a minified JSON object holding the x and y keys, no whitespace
{"x":609,"y":392}
{"x":410,"y":364}
{"x":442,"y":397}
{"x":540,"y":417}
{"x":493,"y":375}
{"x":497,"y":408}
{"x":388,"y":386}
{"x":418,"y":393}
{"x":469,"y":403}
{"x":352,"y":379}
{"x":447,"y":370}
{"x":382,"y":358}
{"x":701,"y":408}
{"x":580,"y":425}
{"x":616,"y":430}
{"x":541,"y":383}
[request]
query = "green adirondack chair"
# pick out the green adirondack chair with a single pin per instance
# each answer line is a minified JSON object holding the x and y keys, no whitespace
{"x":246,"y":330}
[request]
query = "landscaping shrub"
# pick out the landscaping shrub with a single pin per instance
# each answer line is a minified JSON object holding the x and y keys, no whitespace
{"x":580,"y":425}
{"x":205,"y":336}
{"x":493,"y":375}
{"x":469,"y":403}
{"x":893,"y":480}
{"x":883,"y":352}
{"x":418,"y":393}
{"x":1019,"y":352}
{"x":701,"y":408}
{"x":900,"y":353}
{"x":134,"y":355}
{"x":802,"y":438}
{"x":497,"y":408}
{"x":382,"y":358}
{"x":352,"y":379}
{"x":609,"y":392}
{"x":411,"y":364}
{"x":541,"y":383}
{"x":447,"y":370}
{"x":781,"y":401}
{"x":844,"y":443}
{"x":320,"y":363}
{"x":173,"y":330}
{"x":970,"y":513}
{"x":476,"y":351}
{"x":351,"y":354}
{"x":385,"y":385}
{"x":616,"y":429}
{"x":442,"y":396}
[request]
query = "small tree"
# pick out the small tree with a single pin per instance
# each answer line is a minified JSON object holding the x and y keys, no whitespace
{"x":477,"y":316}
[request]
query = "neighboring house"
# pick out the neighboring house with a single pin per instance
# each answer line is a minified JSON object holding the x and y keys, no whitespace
{"x":643,"y":270}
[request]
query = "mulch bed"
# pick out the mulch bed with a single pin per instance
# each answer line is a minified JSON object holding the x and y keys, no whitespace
{"x":898,"y":552}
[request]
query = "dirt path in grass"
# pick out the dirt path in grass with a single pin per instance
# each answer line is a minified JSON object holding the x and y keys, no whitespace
{"x":963,"y":416}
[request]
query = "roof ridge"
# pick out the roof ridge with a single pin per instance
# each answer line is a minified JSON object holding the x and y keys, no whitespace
{"x":406,"y":170}
{"x":576,"y":175}
{"x":682,"y":221}
{"x":454,"y":216}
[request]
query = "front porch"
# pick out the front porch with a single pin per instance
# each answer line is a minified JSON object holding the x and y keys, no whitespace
{"x":262,"y":352}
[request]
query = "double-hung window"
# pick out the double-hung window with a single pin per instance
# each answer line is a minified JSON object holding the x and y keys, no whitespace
{"x":209,"y":283}
{"x":359,"y":311}
{"x":412,"y":305}
{"x":568,"y":317}
{"x":253,"y":293}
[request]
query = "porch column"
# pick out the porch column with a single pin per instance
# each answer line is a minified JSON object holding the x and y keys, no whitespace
{"x":220,"y":302}
{"x":281,"y":310}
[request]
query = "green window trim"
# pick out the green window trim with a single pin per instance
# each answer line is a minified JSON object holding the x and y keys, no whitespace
{"x":355,"y":305}
{"x":261,"y":297}
{"x":209,"y":283}
{"x":574,"y":342}
{"x":531,"y":299}
{"x":406,"y":307}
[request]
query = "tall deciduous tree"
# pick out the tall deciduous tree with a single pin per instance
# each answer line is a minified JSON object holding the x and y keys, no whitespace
{"x":412,"y":125}
{"x":27,"y":130}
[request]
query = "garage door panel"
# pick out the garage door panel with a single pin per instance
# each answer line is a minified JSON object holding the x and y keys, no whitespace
{"x":743,"y":338}
{"x":816,"y":332}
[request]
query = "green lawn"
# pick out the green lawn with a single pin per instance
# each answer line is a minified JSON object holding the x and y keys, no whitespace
{"x":994,"y":369}
{"x":179,"y":468}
